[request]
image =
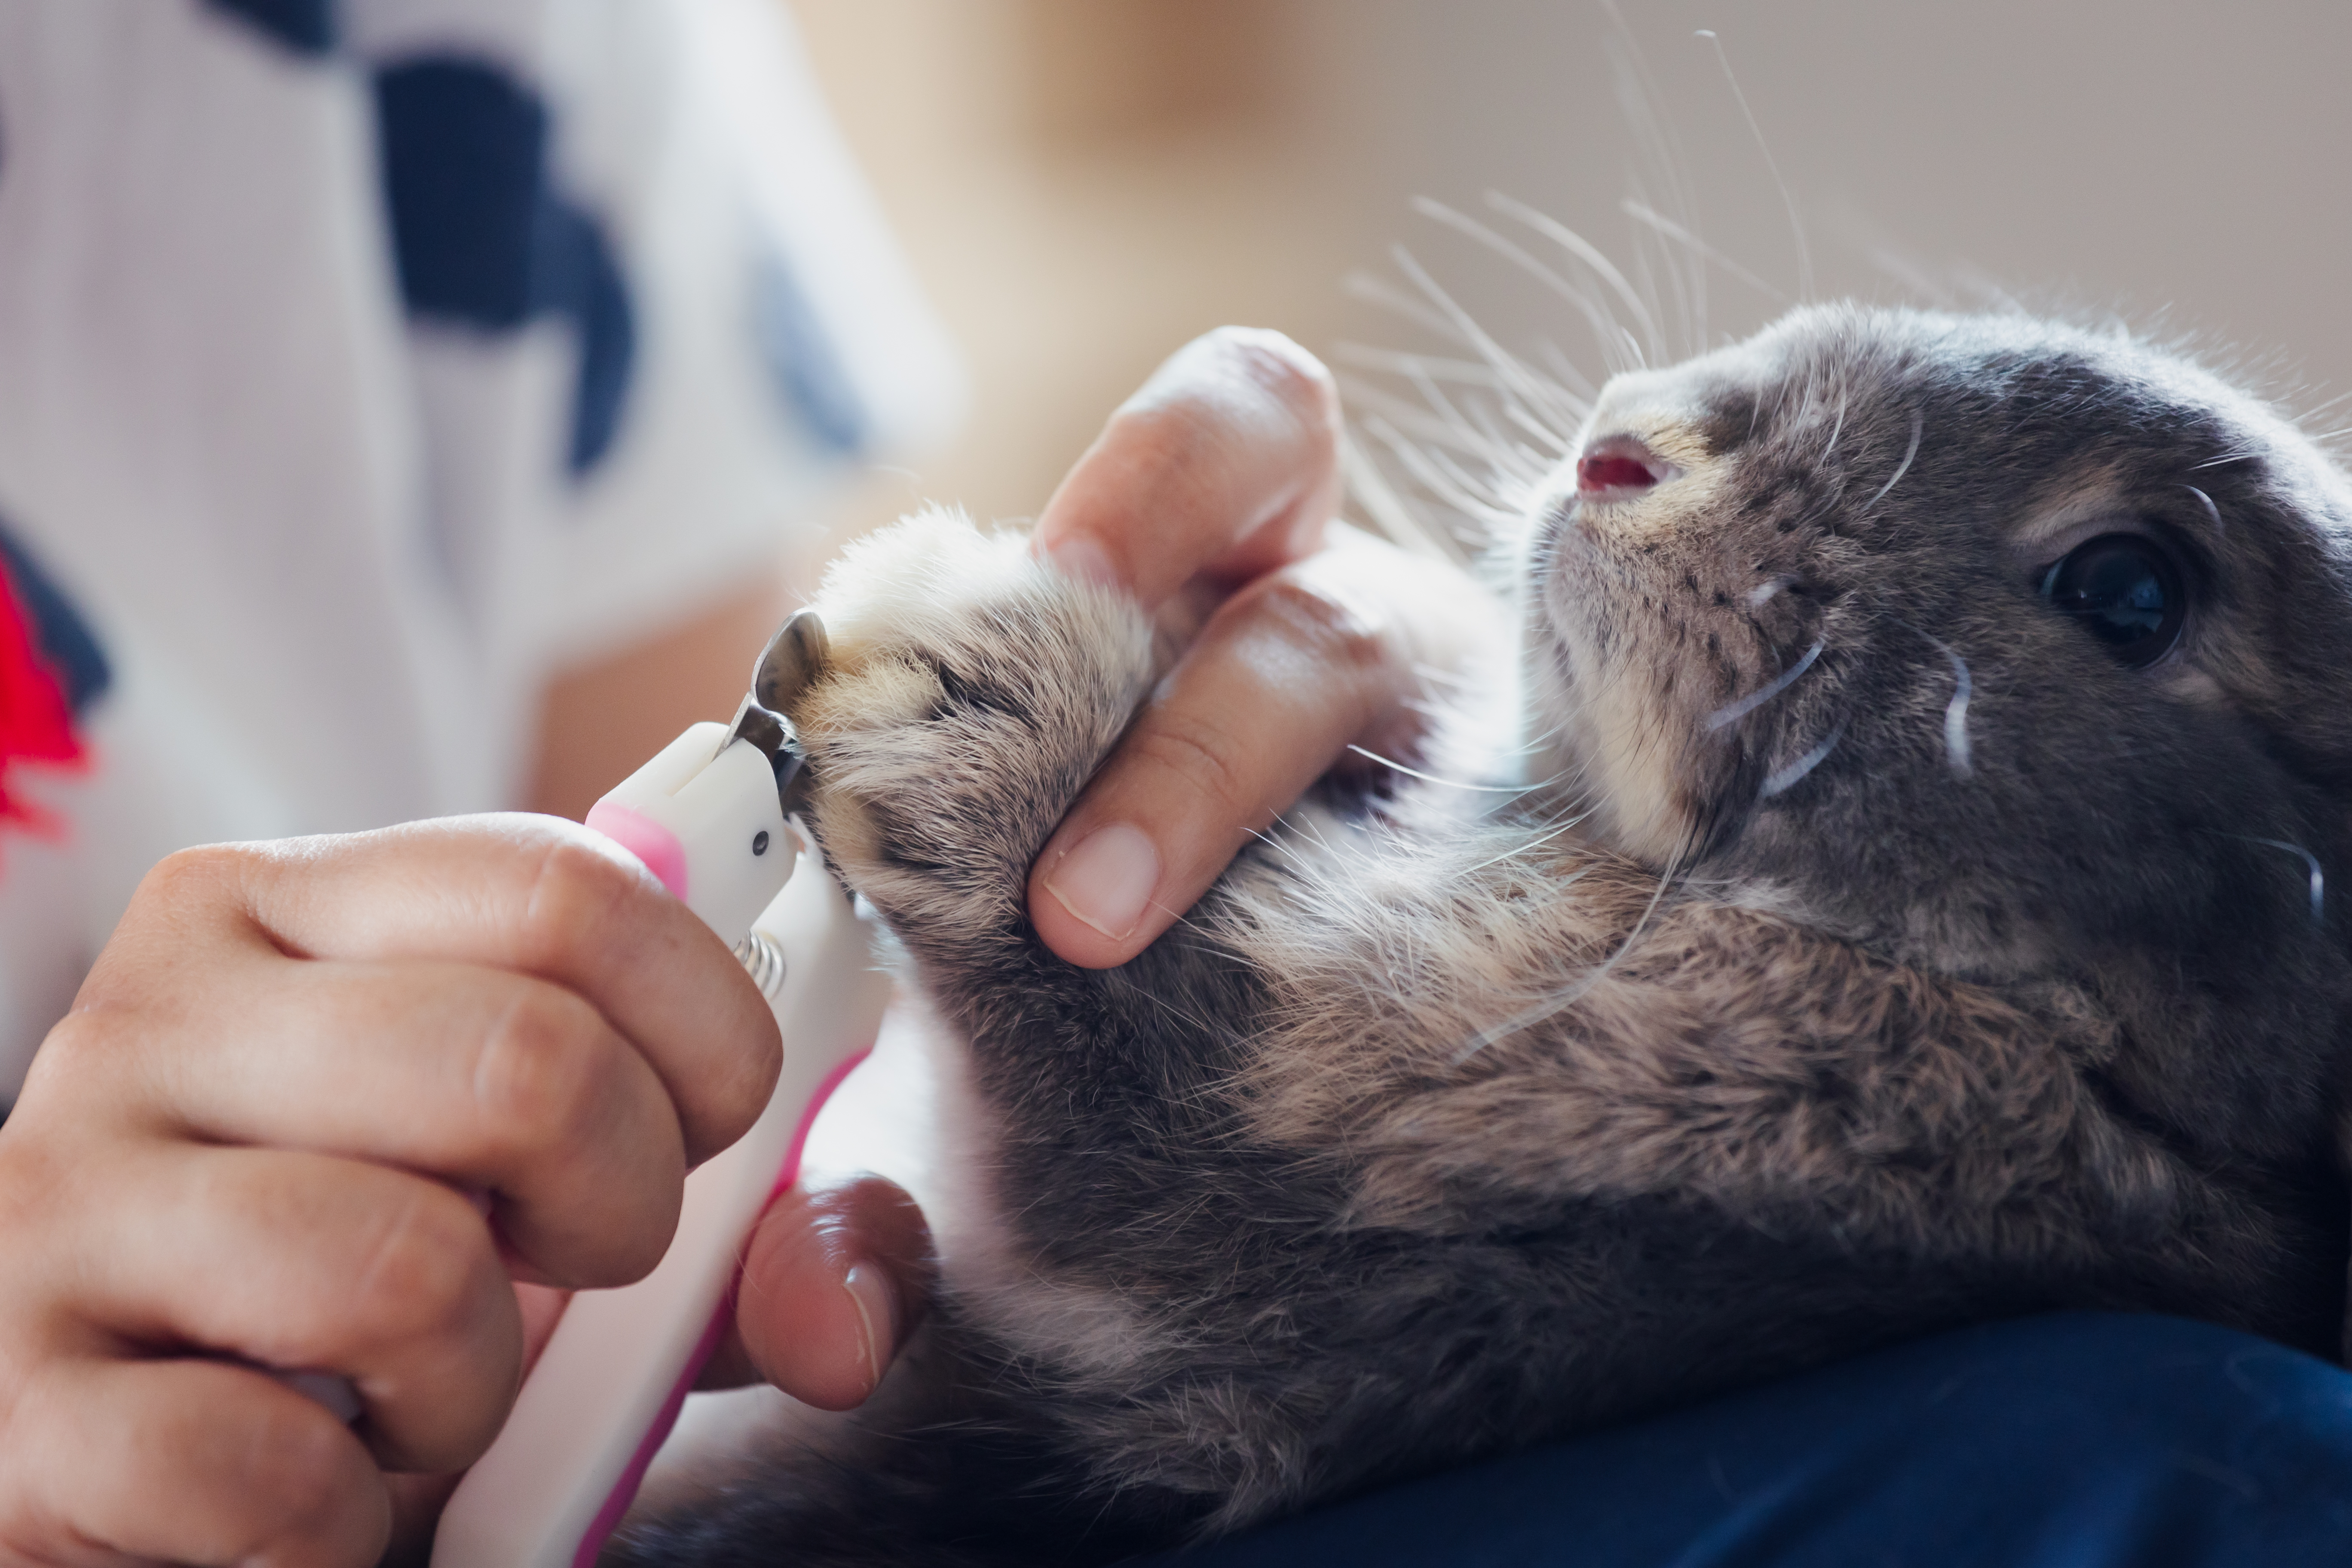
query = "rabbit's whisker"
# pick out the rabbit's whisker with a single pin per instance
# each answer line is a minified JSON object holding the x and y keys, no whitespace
{"x":1618,"y":344}
{"x":1901,"y":469}
{"x":2318,"y":878}
{"x":1433,"y":778}
{"x":2213,"y":512}
{"x":1577,"y":246}
{"x":1839,"y":429}
{"x":1781,"y":780}
{"x":1733,"y":712}
{"x":1530,"y":846}
{"x":1528,"y":1017}
{"x":1642,"y":212}
{"x":1788,"y":200}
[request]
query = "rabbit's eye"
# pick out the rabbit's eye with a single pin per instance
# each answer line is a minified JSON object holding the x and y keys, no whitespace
{"x":2123,"y":590}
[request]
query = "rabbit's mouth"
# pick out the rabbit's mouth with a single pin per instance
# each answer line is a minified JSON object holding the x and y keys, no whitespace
{"x":1663,"y":657}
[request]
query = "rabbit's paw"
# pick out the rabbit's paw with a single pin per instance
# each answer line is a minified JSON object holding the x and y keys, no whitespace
{"x":969,"y":692}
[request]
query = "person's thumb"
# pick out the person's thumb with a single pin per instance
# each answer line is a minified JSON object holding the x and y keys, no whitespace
{"x":835,"y":1278}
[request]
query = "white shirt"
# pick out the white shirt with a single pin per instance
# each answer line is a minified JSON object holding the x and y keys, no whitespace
{"x":361,"y":364}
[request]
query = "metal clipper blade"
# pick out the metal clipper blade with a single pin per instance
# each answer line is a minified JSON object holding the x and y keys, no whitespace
{"x":794,"y":658}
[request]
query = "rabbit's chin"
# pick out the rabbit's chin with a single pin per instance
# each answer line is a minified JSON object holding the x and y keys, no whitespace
{"x":1610,"y":726}
{"x":1583,"y":746}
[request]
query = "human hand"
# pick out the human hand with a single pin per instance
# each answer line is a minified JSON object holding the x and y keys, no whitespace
{"x":1209,"y":496}
{"x":255,"y":1139}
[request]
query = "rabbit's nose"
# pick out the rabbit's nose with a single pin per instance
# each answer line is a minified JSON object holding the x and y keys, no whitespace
{"x":1614,"y":467}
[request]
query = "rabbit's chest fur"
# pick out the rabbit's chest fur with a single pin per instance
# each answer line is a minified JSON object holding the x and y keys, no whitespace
{"x":1920,"y":954}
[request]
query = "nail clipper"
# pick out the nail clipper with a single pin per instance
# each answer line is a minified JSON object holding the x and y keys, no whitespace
{"x":710,"y":816}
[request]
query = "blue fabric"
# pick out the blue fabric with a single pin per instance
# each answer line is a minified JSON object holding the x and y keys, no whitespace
{"x":483,"y":238}
{"x":64,"y":639}
{"x":2082,"y":1440}
{"x":802,"y":363}
{"x":305,"y":27}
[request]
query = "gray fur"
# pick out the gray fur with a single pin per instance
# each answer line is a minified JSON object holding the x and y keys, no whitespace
{"x":1983,"y":982}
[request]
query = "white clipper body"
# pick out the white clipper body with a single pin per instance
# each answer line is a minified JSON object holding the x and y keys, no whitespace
{"x":705,"y":816}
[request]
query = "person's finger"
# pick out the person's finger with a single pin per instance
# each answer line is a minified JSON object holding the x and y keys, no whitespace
{"x":300,"y":1261}
{"x":834,"y":1282}
{"x":188,"y":1461}
{"x":535,"y":895}
{"x":499,"y":1080}
{"x":1225,"y":462}
{"x":417,"y":1499}
{"x":1290,"y":671}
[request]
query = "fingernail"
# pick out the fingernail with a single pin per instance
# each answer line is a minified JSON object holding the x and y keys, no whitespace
{"x":1079,"y":556}
{"x":1108,"y":879}
{"x":876,"y":1296}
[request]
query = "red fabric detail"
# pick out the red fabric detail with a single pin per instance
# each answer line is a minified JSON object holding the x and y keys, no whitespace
{"x":34,"y":723}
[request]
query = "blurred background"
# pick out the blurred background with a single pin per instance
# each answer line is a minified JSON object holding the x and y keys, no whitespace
{"x":1085,"y":184}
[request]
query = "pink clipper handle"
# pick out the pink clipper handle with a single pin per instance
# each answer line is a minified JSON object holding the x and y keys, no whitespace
{"x":609,"y":1386}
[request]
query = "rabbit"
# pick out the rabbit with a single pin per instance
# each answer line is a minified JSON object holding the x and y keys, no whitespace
{"x":1913,"y":907}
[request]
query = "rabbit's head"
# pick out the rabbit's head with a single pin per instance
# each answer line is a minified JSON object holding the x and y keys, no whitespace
{"x":2013,"y":651}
